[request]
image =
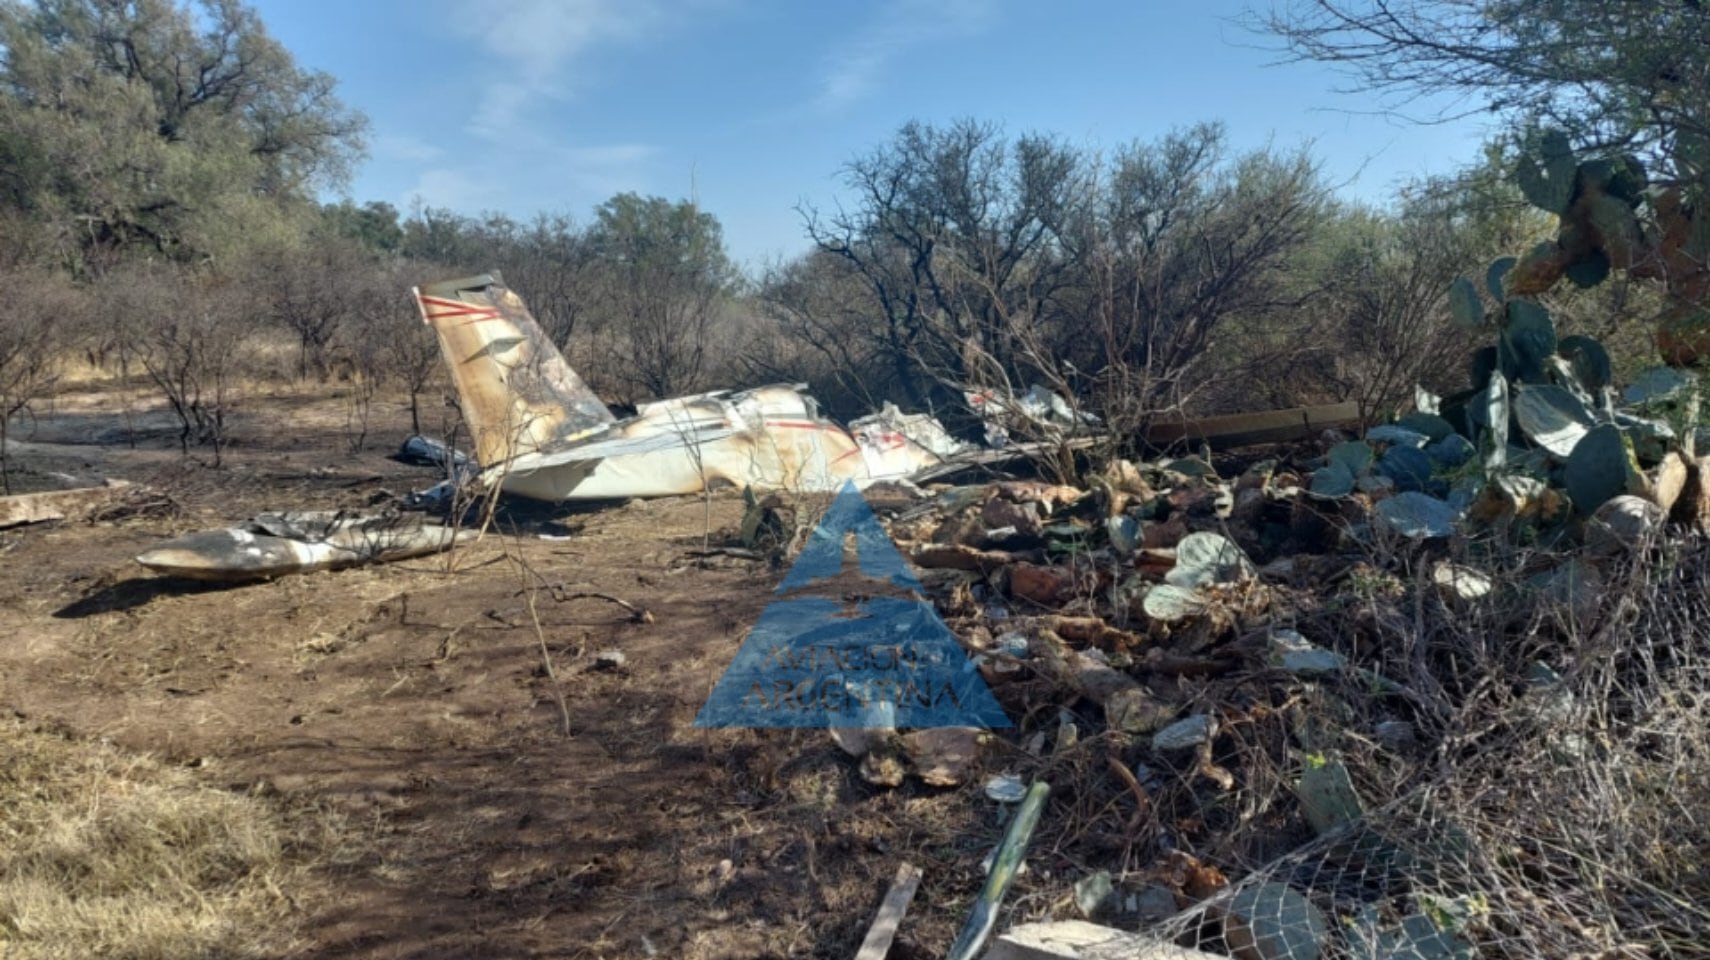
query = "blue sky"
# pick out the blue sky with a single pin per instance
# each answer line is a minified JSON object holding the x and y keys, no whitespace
{"x":752,"y":106}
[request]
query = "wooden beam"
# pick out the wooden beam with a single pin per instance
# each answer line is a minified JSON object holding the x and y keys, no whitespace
{"x":58,"y":504}
{"x":891,"y":910}
{"x":1271,"y":426}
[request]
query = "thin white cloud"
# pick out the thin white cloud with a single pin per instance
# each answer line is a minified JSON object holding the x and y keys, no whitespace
{"x":534,"y":46}
{"x":900,"y":27}
{"x":398,"y":146}
{"x":451,"y":189}
{"x":538,"y":37}
{"x":601,"y":171}
{"x":525,"y":53}
{"x":537,"y":176}
{"x":611,"y":155}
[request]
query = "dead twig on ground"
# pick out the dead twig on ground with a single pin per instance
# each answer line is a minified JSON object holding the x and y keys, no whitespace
{"x":529,"y":590}
{"x":1143,"y":802}
{"x":739,"y":553}
{"x":560,"y":595}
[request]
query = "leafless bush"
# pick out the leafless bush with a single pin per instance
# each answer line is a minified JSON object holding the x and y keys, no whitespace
{"x":191,"y":338}
{"x":1387,"y":290}
{"x":820,"y":325}
{"x":959,"y":233}
{"x":412,"y":359}
{"x":1001,"y":264}
{"x":1189,"y":244}
{"x":362,"y":357}
{"x":553,"y":262}
{"x":313,"y":292}
{"x":39,"y":321}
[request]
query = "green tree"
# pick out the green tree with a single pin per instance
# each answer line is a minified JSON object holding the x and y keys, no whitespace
{"x":374,"y":225}
{"x":184,"y":129}
{"x":666,"y":275}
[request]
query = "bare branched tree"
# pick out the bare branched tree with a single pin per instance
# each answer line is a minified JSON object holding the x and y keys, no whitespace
{"x":409,"y":351}
{"x":820,"y":330}
{"x":956,"y":231}
{"x":995,"y":264}
{"x":38,"y":325}
{"x":314,"y":293}
{"x":1187,"y":241}
{"x":1617,"y":74}
{"x":187,"y":343}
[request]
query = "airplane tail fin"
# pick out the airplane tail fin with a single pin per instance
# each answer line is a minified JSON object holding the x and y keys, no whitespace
{"x":518,"y":394}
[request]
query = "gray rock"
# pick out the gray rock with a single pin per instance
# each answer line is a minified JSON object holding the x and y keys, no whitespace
{"x":1294,"y":653}
{"x":1185,"y":734}
{"x":1095,"y":895}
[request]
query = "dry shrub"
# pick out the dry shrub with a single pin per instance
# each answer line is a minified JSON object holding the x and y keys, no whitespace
{"x":113,"y":855}
{"x":1538,"y":815}
{"x":187,"y":331}
{"x":38,"y":325}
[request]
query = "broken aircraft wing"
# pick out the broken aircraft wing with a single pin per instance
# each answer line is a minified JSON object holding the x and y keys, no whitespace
{"x":272,"y":545}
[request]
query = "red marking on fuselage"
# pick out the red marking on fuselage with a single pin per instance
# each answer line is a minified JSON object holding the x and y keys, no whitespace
{"x":449,"y":309}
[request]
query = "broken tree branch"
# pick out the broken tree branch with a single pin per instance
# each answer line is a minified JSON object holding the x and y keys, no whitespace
{"x":1128,"y":706}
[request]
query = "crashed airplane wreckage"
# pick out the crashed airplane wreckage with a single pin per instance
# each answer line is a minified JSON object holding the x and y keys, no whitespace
{"x":541,"y":433}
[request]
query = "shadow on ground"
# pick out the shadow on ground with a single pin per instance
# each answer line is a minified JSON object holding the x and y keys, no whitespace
{"x":138,"y":592}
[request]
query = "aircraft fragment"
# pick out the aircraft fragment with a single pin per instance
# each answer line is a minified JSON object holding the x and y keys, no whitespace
{"x":540,"y":432}
{"x":274,"y":544}
{"x":1038,"y":411}
{"x":420,"y":451}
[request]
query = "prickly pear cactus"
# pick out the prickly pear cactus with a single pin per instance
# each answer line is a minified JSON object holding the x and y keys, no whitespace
{"x":1547,"y":176}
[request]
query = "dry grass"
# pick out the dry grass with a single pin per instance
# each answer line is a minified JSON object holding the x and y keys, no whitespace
{"x":107,"y":854}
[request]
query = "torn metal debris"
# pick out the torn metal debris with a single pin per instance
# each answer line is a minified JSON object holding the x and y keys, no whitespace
{"x":276,"y":544}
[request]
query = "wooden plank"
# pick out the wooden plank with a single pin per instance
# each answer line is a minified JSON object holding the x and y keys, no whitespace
{"x":1271,"y":426}
{"x":58,"y":504}
{"x":884,"y":928}
{"x":1079,"y":940}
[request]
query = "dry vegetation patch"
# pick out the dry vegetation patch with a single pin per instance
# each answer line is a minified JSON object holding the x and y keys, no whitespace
{"x":105,"y":853}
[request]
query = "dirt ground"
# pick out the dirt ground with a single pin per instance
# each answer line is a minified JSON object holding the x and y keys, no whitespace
{"x":413,"y":706}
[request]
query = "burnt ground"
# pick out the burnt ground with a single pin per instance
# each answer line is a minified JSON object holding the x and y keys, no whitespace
{"x":412,"y":706}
